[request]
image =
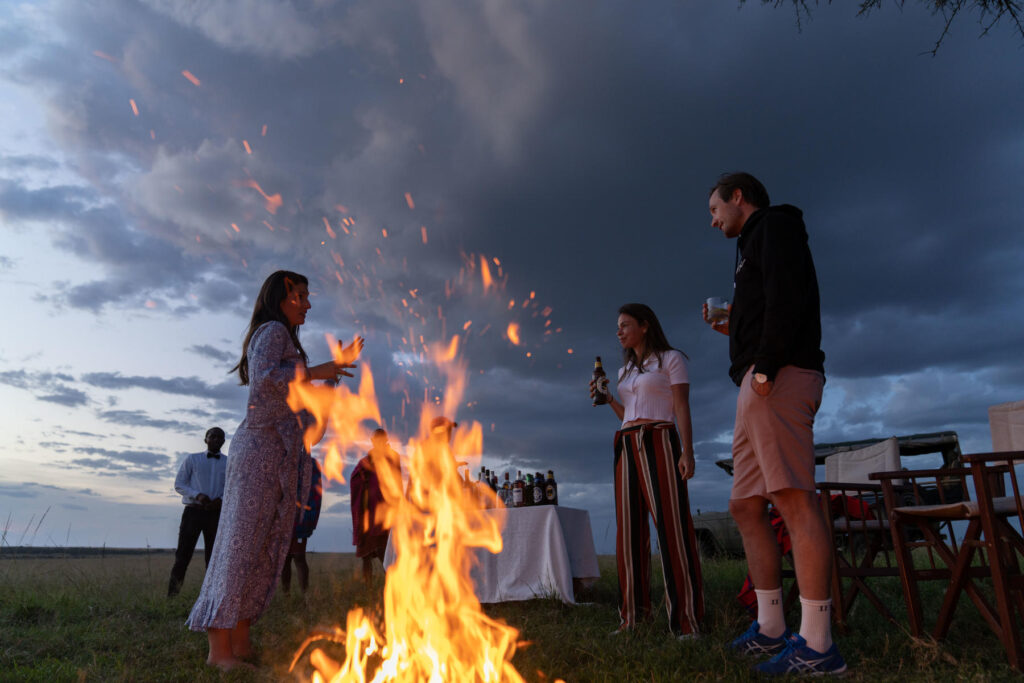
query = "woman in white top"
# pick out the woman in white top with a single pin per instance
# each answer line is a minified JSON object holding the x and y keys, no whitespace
{"x":653,"y":460}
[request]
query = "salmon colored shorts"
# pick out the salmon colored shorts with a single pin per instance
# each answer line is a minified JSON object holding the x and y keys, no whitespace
{"x":773,"y":441}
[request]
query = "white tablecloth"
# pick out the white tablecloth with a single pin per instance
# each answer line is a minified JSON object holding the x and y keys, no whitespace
{"x":543,"y":549}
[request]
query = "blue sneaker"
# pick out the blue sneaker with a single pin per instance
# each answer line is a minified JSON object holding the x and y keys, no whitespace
{"x":753,"y":643}
{"x":797,"y":658}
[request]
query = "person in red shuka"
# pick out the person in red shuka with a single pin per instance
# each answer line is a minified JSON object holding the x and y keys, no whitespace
{"x":369,"y":534}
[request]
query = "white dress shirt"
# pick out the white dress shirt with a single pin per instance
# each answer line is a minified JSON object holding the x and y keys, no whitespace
{"x":201,"y":474}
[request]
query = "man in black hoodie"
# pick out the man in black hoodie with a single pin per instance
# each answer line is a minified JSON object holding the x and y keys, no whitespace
{"x":774,"y":329}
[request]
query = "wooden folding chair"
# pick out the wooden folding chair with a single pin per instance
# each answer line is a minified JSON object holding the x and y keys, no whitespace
{"x":861,"y":545}
{"x":1001,"y":510}
{"x":936,"y":531}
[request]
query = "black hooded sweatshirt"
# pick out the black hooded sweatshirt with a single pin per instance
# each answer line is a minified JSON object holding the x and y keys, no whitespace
{"x":776,"y":315}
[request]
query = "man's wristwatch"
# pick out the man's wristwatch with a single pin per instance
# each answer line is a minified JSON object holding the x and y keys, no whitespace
{"x":760,"y":377}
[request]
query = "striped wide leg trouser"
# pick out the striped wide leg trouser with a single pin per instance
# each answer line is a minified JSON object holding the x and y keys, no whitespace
{"x":648,"y":481}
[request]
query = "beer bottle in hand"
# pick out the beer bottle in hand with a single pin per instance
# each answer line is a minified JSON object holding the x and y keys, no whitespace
{"x":600,"y":382}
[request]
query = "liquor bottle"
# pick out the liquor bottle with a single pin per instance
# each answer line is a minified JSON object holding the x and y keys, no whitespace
{"x":551,"y":489}
{"x":518,"y":499}
{"x":506,"y":492}
{"x":600,"y":381}
{"x":528,"y":491}
{"x":494,"y":482}
{"x":480,"y":476}
{"x":538,"y":489}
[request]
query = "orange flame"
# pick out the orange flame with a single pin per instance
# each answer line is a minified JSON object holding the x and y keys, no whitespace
{"x":192,"y":79}
{"x":346,"y":411}
{"x":513,"y":333}
{"x":434,"y":629}
{"x":485,"y":272}
{"x":327,"y":224}
{"x":273,"y":202}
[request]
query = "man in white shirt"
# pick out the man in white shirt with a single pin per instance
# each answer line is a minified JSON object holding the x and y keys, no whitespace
{"x":200,"y":482}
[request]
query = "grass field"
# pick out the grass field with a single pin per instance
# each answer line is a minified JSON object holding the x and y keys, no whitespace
{"x":104,"y":617}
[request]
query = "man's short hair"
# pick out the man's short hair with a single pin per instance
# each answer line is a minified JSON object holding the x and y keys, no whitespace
{"x":753,"y":191}
{"x":211,"y":430}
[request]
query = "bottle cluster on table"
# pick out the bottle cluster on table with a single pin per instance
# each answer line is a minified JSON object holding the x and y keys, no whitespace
{"x":533,"y":489}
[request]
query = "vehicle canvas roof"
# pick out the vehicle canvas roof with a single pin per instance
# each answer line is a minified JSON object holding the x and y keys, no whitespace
{"x":946,"y":443}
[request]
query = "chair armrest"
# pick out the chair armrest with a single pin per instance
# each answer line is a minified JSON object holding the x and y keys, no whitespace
{"x":848,"y":486}
{"x":994,"y":457}
{"x":920,"y":474}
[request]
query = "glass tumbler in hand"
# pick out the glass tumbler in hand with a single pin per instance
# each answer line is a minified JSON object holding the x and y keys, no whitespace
{"x":718,"y":310}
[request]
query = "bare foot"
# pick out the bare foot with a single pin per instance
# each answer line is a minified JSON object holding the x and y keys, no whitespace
{"x":230,"y":663}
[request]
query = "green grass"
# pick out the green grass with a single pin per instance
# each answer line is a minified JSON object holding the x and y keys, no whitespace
{"x":105,"y":618}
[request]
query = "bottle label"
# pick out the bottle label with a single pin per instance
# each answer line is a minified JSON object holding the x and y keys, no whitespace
{"x":549,"y":492}
{"x":538,"y":494}
{"x":517,"y":497}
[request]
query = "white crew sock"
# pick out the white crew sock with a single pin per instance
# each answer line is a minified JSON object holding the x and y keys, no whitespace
{"x":769,"y":612}
{"x":816,"y":623}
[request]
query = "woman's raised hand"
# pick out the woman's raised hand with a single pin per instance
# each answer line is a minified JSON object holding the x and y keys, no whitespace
{"x":351,"y":352}
{"x":348,"y":354}
{"x":333,"y":370}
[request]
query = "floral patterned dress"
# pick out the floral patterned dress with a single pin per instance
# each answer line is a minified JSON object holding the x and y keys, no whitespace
{"x":266,"y":467}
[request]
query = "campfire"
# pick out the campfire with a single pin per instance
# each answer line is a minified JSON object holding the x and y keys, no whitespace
{"x":433,"y":628}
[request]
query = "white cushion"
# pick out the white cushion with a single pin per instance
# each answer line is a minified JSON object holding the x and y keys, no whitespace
{"x":855,"y":466}
{"x":1006,"y":421}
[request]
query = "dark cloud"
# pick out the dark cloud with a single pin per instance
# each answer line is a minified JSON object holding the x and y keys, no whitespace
{"x":66,"y":396}
{"x":46,"y":386}
{"x":216,"y":354}
{"x":31,"y":489}
{"x":577,"y":148}
{"x":139,"y":418}
{"x":226,"y":392}
{"x":146,"y":458}
{"x":28,"y":162}
{"x":78,"y":432}
{"x":18,"y":491}
{"x":137,"y":464}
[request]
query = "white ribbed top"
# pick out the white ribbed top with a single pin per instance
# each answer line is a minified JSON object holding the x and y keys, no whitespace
{"x":647,"y":395}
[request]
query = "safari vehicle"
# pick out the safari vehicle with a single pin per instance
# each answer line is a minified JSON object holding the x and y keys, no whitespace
{"x":717,"y":533}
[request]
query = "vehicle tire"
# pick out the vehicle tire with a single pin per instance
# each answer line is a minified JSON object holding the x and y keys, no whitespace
{"x":708,"y":547}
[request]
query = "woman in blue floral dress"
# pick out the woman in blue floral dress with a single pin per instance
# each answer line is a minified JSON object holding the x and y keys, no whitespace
{"x":264,"y":472}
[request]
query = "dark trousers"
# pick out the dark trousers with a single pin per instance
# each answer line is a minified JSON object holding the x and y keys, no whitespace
{"x":195,"y":520}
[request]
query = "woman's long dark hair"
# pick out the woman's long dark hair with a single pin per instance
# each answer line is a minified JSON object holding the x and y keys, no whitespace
{"x":275,"y":289}
{"x":655,"y":340}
